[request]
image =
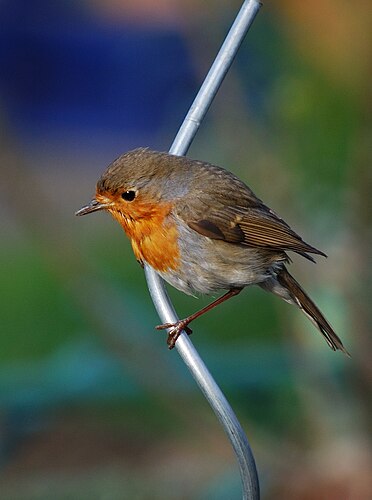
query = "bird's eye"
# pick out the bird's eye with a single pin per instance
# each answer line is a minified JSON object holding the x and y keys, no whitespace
{"x":128,"y":195}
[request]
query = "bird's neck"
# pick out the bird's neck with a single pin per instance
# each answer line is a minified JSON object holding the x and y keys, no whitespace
{"x":153,"y":235}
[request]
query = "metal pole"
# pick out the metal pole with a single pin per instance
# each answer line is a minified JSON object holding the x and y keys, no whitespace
{"x":163,"y":305}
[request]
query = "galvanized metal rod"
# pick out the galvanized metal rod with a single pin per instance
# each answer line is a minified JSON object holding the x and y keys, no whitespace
{"x":163,"y":305}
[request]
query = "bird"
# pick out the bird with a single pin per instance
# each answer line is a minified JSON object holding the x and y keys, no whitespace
{"x":203,"y":230}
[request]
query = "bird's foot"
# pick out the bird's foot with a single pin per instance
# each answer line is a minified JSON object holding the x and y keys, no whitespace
{"x":175,"y":331}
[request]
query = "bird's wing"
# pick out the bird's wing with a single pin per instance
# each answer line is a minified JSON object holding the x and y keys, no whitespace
{"x":220,"y":206}
{"x":251,"y":226}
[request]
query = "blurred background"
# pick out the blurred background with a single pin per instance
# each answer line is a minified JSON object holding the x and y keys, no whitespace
{"x":92,"y":404}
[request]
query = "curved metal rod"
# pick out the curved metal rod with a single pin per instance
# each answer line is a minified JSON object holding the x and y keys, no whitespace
{"x":163,"y":305}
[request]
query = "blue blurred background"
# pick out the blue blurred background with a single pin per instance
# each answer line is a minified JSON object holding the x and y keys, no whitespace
{"x":92,"y":404}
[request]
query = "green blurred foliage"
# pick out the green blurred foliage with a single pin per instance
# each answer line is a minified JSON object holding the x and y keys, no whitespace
{"x":37,"y":315}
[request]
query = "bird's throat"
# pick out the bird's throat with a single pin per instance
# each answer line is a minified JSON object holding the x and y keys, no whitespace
{"x":154,"y":237}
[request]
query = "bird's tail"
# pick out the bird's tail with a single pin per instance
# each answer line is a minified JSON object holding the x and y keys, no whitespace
{"x":288,"y":289}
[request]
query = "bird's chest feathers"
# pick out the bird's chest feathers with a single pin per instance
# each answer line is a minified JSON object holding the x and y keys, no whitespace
{"x":153,"y":235}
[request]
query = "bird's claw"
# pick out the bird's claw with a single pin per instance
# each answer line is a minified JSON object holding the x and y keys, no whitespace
{"x":175,"y":331}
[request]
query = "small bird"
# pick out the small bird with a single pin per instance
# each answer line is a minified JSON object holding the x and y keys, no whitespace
{"x":203,"y":230}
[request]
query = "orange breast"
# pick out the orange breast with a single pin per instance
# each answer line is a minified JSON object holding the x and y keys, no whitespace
{"x":153,"y":236}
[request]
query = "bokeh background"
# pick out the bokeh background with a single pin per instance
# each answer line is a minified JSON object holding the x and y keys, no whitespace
{"x":92,"y":404}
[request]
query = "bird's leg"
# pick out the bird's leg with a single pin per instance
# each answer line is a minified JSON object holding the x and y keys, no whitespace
{"x":182,"y":324}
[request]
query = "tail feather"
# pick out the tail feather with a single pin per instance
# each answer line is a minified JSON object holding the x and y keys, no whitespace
{"x":303,"y":301}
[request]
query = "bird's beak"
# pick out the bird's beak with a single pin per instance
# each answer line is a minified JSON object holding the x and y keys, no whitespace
{"x":93,"y":206}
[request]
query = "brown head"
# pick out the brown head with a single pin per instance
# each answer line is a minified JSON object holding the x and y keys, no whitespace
{"x":139,"y":189}
{"x":137,"y":181}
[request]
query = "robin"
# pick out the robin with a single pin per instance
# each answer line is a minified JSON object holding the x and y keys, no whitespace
{"x":203,"y":230}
